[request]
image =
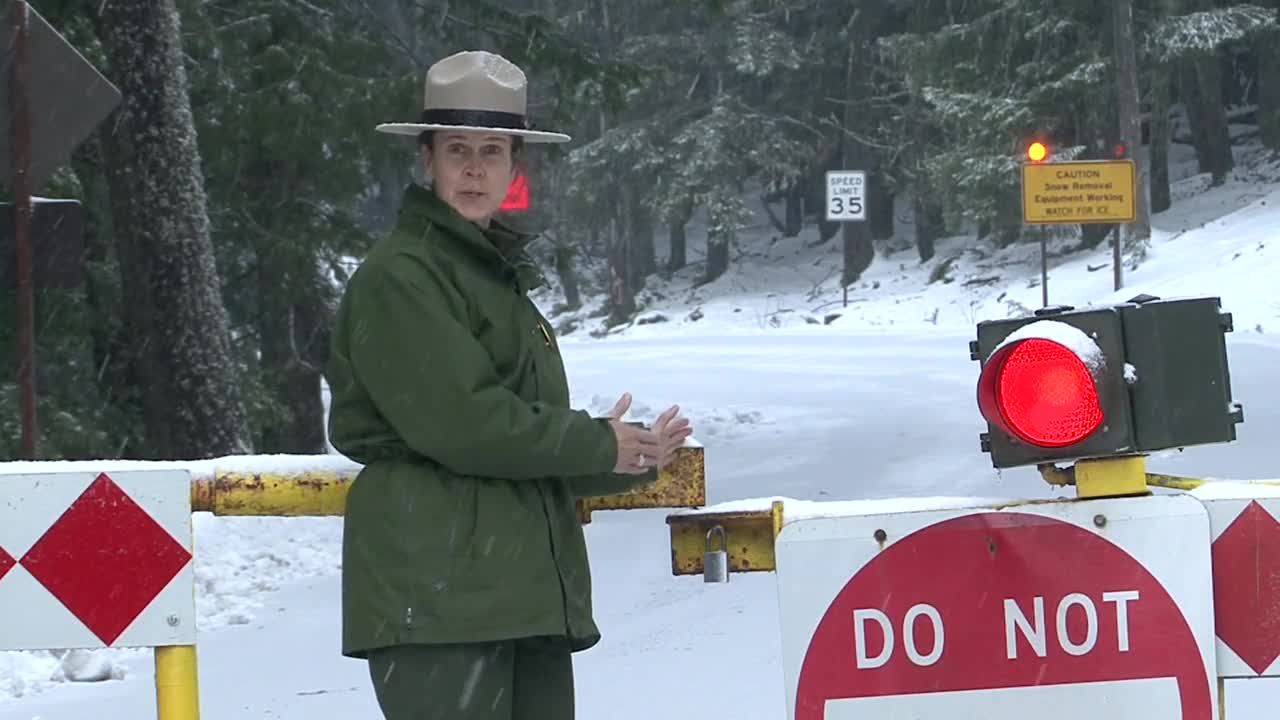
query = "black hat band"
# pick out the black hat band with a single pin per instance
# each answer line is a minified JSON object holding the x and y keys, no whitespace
{"x":475,"y":118}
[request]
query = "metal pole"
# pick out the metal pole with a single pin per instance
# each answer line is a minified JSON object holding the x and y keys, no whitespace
{"x":1222,"y":699}
{"x":21,"y":124}
{"x":177,"y":683}
{"x":1116,"y":257}
{"x":1044,"y":272}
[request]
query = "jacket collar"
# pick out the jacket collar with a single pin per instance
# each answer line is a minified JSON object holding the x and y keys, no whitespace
{"x":498,"y":245}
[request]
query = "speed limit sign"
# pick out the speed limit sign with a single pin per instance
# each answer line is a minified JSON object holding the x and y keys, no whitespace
{"x":846,"y":195}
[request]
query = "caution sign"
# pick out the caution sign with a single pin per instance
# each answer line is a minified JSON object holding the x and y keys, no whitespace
{"x":1090,"y":191}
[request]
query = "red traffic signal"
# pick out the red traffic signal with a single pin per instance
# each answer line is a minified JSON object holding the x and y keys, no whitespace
{"x":1132,"y":378}
{"x":517,"y":198}
{"x":1041,"y":392}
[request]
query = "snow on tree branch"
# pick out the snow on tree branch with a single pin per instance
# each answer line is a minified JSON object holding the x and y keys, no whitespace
{"x":1202,"y":32}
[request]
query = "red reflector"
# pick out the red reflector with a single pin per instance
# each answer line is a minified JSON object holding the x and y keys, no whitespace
{"x":517,"y":195}
{"x":1041,"y":392}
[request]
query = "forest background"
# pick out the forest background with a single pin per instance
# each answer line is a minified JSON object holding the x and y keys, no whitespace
{"x":230,"y":194}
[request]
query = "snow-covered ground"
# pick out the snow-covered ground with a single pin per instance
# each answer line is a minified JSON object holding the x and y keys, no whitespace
{"x":877,"y":403}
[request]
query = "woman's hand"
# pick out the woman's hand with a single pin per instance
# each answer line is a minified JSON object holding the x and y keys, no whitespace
{"x":640,"y":449}
{"x":672,"y":430}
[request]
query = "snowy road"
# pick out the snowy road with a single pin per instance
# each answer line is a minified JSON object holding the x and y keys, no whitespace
{"x":811,"y":414}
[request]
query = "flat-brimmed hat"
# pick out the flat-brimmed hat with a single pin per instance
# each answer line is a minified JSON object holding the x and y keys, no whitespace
{"x":475,"y":91}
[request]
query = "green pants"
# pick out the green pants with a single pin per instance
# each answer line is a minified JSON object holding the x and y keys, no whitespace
{"x":527,"y":679}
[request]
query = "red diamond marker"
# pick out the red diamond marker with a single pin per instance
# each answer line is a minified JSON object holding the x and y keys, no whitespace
{"x":6,"y":563}
{"x":105,"y":559}
{"x":1246,"y":587}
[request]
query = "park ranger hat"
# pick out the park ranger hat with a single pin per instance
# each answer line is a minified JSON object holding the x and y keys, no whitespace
{"x":475,"y":91}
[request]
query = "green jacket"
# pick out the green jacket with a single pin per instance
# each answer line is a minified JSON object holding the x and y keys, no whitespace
{"x":447,"y":385}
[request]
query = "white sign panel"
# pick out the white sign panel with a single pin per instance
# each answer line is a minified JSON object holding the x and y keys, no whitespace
{"x":1098,"y":609}
{"x":1246,"y":576}
{"x":846,"y":195}
{"x":96,"y":560}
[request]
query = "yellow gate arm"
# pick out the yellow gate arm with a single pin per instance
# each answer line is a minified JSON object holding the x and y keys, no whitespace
{"x":318,"y":486}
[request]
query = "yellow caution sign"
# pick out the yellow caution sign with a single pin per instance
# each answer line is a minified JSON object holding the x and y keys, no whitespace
{"x":1084,"y":191}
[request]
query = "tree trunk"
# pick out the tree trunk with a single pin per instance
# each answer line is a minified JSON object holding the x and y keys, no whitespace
{"x":879,"y":206}
{"x":290,"y":327}
{"x":108,"y":336}
{"x":1129,"y":108}
{"x":1267,"y":50}
{"x":1221,"y":161}
{"x":1202,"y":88}
{"x":643,"y":263}
{"x":858,"y":250}
{"x":568,"y":278}
{"x":1189,"y":91}
{"x":679,"y":240}
{"x":1161,"y":130}
{"x":927,"y":230}
{"x":717,"y":256}
{"x":622,"y":302}
{"x":192,"y":404}
{"x":795,"y":210}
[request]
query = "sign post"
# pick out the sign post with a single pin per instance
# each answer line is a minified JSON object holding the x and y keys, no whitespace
{"x":20,"y":127}
{"x":846,"y":201}
{"x":1078,"y":192}
{"x":44,"y":74}
{"x":1095,"y":608}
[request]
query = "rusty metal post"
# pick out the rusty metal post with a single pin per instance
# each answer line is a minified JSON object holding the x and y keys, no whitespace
{"x":20,"y":122}
{"x":1044,"y":271}
{"x":1117,"y":259}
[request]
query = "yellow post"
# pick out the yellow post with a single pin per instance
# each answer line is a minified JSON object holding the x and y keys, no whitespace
{"x":1111,"y":477}
{"x":177,"y":686}
{"x":1222,"y":699}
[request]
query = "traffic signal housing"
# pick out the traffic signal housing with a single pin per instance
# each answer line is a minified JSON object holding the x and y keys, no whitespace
{"x":1067,"y":384}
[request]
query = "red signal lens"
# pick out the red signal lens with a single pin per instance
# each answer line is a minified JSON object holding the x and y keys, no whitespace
{"x":1041,"y":392}
{"x":517,"y":198}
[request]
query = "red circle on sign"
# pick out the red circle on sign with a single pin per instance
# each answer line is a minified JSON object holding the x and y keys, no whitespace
{"x":966,"y":569}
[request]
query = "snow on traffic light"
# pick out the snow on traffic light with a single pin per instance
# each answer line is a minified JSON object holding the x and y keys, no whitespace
{"x":1064,"y":384}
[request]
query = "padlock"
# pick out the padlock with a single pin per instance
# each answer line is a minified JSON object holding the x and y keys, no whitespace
{"x":715,"y":563}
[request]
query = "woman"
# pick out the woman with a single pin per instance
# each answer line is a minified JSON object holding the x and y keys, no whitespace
{"x":465,"y":580}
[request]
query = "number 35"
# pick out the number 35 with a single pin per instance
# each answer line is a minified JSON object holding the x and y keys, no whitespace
{"x":838,"y":206}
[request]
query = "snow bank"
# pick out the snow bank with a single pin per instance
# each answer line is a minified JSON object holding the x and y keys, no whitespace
{"x":29,"y":673}
{"x":240,"y":560}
